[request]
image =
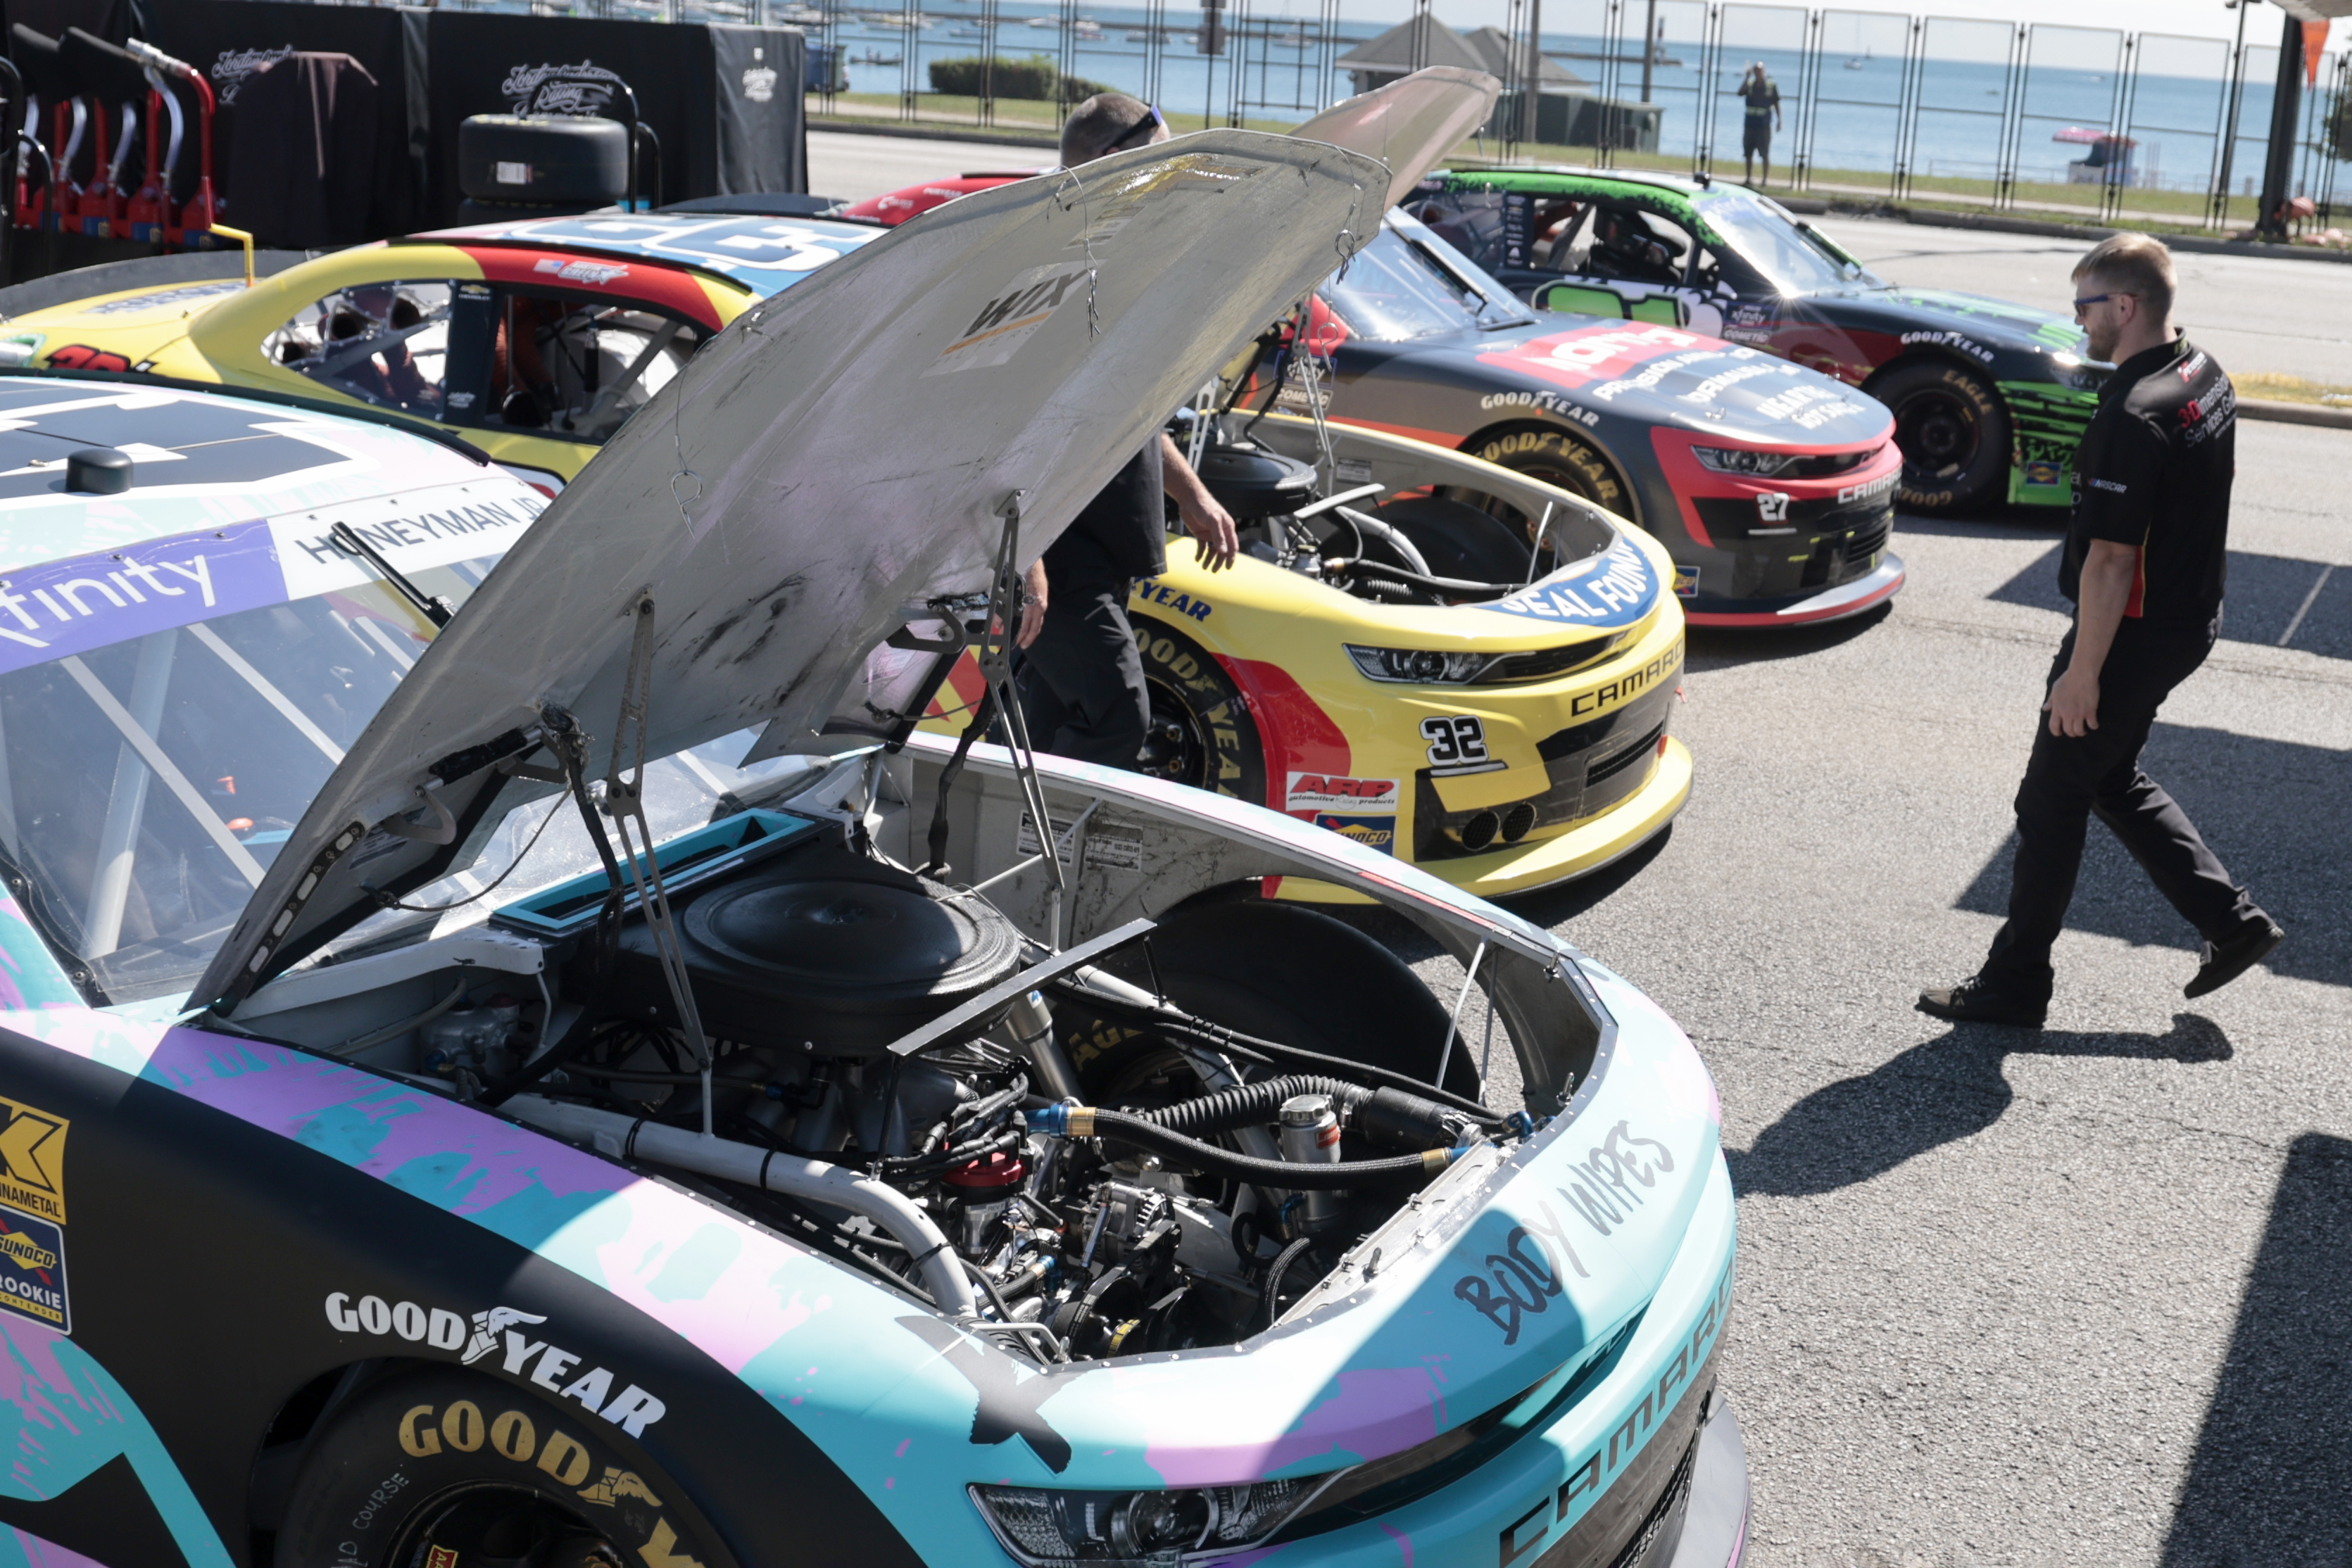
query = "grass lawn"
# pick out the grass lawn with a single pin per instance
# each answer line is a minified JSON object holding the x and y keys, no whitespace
{"x":2290,"y":389}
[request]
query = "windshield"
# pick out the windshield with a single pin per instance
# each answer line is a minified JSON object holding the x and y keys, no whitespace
{"x":1795,"y":259}
{"x":1409,"y":284}
{"x":146,"y":785}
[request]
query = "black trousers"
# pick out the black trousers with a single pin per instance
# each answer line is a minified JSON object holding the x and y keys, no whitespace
{"x":2069,"y":778}
{"x":1081,"y":683}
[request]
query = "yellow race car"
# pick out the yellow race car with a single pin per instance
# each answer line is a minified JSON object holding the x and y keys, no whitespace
{"x":534,"y":339}
{"x":1503,"y":732}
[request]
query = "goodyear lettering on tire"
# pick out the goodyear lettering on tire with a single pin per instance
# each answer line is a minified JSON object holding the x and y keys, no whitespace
{"x":427,"y":1430}
{"x":1555,"y":455}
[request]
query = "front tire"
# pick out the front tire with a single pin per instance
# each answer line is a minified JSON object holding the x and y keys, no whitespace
{"x":465,"y":1466}
{"x":1954,"y":432}
{"x":1200,"y":732}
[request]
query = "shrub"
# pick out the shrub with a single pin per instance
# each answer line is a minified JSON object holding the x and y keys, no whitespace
{"x":1038,"y":77}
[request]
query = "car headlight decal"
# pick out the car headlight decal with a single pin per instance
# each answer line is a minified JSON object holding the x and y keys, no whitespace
{"x":1739,"y":460}
{"x":1419,"y":666}
{"x":1131,"y":1529}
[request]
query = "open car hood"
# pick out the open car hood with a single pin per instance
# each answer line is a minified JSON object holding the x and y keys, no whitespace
{"x":835,"y":460}
{"x":1411,"y":124}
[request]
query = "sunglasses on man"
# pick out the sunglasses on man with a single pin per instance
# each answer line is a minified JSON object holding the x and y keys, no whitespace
{"x":2084,"y":304}
{"x":1141,"y":131}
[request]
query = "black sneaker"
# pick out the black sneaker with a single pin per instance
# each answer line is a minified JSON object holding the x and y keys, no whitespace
{"x":1977,"y":1000}
{"x":2225,"y":962}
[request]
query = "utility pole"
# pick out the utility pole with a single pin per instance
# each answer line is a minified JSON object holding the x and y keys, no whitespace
{"x":1530,"y":118}
{"x":1649,"y":47}
{"x":2219,"y":204}
{"x":2286,"y":105}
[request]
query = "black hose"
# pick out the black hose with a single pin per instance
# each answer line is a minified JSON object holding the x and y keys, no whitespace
{"x":1271,"y":1298}
{"x":1249,"y":1104}
{"x":1420,"y":580}
{"x":1120,"y":1127}
{"x":1168,"y":1020}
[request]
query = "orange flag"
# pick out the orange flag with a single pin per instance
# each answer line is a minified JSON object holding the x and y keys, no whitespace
{"x":2315,"y":39}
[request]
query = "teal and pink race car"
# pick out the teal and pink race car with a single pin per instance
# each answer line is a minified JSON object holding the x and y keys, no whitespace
{"x":513,"y":1049}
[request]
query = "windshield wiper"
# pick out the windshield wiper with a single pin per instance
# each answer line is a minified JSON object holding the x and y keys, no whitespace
{"x":348,"y":540}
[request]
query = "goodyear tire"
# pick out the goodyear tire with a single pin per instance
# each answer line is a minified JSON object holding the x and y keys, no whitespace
{"x":471,"y":1465}
{"x":1239,"y":961}
{"x":1954,"y":432}
{"x":1200,"y":732}
{"x":1559,"y":457}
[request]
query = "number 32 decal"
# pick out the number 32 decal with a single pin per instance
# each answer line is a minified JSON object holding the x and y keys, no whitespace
{"x":1457,"y":745}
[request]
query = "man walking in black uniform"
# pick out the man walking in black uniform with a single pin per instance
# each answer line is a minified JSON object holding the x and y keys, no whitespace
{"x":2143,"y":563}
{"x":1082,"y":691}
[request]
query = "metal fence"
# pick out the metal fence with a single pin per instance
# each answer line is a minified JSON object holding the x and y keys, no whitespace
{"x":2046,"y":116}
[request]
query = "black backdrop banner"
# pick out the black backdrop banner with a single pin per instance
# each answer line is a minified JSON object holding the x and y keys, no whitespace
{"x":724,"y":100}
{"x":228,"y":40}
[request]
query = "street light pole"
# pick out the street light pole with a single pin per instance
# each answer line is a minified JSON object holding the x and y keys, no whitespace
{"x":1649,"y":47}
{"x":1530,"y":118}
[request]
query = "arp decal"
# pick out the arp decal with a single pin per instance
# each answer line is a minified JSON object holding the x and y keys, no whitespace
{"x":33,"y":1160}
{"x":1306,"y":792}
{"x":1457,"y":744}
{"x":1616,"y":588}
{"x":500,"y":1331}
{"x":33,"y":1271}
{"x":1012,"y":316}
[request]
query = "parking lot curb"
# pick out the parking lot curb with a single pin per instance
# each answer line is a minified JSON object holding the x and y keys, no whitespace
{"x":2295,"y":413}
{"x":937,"y":133}
{"x":1994,"y":223}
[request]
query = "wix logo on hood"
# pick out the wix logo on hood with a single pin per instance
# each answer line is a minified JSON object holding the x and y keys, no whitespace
{"x":501,"y":1330}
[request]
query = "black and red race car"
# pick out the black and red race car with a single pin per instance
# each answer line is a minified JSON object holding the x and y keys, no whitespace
{"x":1771,"y":484}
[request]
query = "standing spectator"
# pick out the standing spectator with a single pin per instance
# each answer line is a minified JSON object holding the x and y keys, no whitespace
{"x":1763,"y":99}
{"x":2143,"y":563}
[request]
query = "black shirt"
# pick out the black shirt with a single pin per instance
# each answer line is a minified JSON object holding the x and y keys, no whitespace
{"x":1122,"y":532}
{"x":2154,"y":473}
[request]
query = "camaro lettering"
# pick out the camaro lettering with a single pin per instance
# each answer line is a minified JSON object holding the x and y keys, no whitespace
{"x":1873,"y":490}
{"x":494,"y":1332}
{"x":1627,"y":686}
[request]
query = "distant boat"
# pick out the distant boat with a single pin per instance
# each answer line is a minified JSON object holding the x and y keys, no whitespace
{"x":873,"y":58}
{"x":1855,"y":65}
{"x":1141,"y":36}
{"x":1045,"y":22}
{"x":1084,"y":28}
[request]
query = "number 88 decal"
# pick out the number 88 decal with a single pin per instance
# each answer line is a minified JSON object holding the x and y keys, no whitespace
{"x":1460,"y":738}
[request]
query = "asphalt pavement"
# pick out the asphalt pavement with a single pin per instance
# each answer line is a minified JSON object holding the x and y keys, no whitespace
{"x":2083,"y":1297}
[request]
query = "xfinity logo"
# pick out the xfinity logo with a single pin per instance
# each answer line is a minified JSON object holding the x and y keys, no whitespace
{"x":501,"y":1331}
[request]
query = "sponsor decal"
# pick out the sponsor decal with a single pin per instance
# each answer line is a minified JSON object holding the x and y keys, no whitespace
{"x":1809,"y":407}
{"x":1716,"y":386}
{"x":502,"y":1332}
{"x":1150,"y":591}
{"x":33,"y":1160}
{"x":527,"y":89}
{"x":232,"y":68}
{"x":1656,"y":371}
{"x":1600,"y":352}
{"x":2195,"y":363}
{"x":2200,"y":419}
{"x":2116,"y":484}
{"x":1306,"y":792}
{"x":1012,"y":316}
{"x":1751,"y":315}
{"x":1522,"y":1277}
{"x":1884,"y":484}
{"x":1457,"y":745}
{"x":1772,"y":505}
{"x":1372,"y":832}
{"x":18,"y":347}
{"x":1628,"y":685}
{"x":2041,"y":473}
{"x":1685,"y":583}
{"x":1965,"y":344}
{"x":82,"y":357}
{"x":1549,"y":402}
{"x":164,"y":298}
{"x":1105,"y":845}
{"x":760,"y":83}
{"x":33,"y":1271}
{"x":598,"y":272}
{"x":1616,"y":588}
{"x":441,"y":1557}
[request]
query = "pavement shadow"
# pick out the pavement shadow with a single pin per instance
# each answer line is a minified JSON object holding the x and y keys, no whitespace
{"x":2269,"y":809}
{"x":2268,"y":1486}
{"x":2275,"y":601}
{"x":1850,"y":1132}
{"x":1728,"y":647}
{"x":1549,"y":907}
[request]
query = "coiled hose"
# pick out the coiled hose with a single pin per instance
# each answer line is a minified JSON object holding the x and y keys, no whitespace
{"x":1085,"y":1121}
{"x":1249,"y":1104}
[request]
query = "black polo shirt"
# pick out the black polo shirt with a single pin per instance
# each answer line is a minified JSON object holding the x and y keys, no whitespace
{"x":2154,"y":473}
{"x":1122,"y":532}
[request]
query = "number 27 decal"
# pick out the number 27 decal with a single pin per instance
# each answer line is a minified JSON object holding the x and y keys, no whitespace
{"x":1457,"y":744}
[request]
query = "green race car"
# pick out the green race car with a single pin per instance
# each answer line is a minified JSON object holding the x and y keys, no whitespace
{"x":1989,"y":398}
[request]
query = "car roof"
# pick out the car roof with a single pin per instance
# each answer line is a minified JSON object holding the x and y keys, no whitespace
{"x":200,"y":459}
{"x":764,"y":255}
{"x":1679,"y":184}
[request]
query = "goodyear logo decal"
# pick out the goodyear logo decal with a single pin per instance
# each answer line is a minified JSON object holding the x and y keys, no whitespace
{"x":33,"y":1271}
{"x":1617,"y":589}
{"x":32,"y":1160}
